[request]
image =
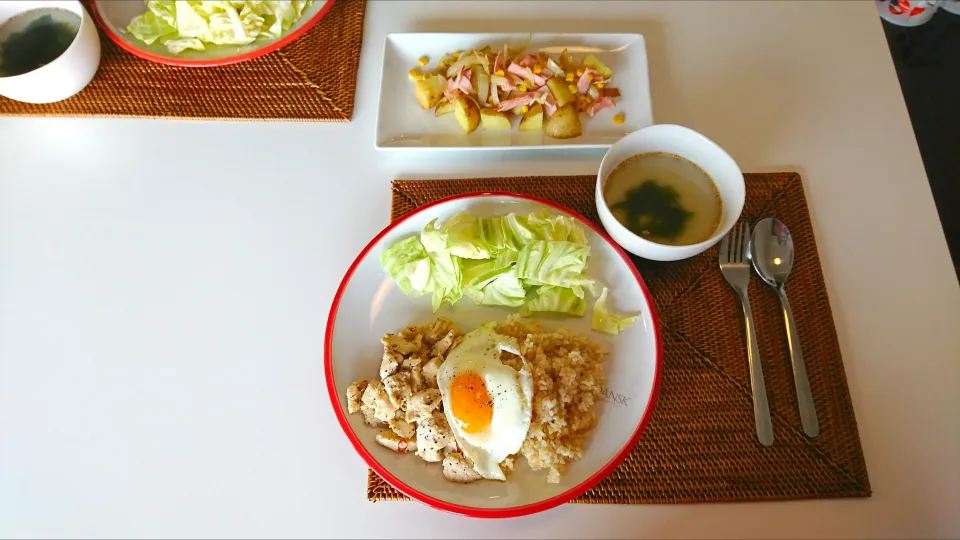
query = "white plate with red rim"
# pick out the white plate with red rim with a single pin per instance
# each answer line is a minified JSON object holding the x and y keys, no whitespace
{"x":403,"y":125}
{"x":115,"y":15}
{"x":368,"y":305}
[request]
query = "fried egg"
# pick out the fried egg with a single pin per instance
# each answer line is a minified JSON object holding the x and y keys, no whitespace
{"x":487,"y":404}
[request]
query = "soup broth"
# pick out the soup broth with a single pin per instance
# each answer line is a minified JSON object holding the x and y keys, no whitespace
{"x":664,"y":198}
{"x":35,"y":38}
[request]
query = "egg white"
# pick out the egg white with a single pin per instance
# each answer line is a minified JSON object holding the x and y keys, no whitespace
{"x":511,"y":392}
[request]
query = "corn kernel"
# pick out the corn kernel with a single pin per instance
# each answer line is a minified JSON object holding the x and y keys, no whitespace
{"x":569,"y":77}
{"x":524,"y":108}
{"x":589,"y":76}
{"x":521,"y":88}
{"x":579,"y":72}
{"x":415,"y":75}
{"x":499,"y":72}
{"x":537,"y":69}
{"x":490,"y":98}
{"x":599,"y":85}
{"x":618,"y":118}
{"x":455,"y":54}
{"x":423,"y":60}
{"x":572,"y":88}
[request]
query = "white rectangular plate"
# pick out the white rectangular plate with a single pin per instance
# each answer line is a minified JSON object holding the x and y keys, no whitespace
{"x":403,"y":124}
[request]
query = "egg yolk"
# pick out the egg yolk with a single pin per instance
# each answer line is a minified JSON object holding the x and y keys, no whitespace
{"x":471,"y":402}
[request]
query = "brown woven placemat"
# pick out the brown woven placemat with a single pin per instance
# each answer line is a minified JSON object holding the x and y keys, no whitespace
{"x":311,"y":79}
{"x":701,"y":444}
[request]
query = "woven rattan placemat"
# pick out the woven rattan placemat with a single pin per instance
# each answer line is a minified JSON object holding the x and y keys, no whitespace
{"x":701,"y":444}
{"x":311,"y":79}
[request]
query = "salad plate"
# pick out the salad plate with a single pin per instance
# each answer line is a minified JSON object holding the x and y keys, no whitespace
{"x":369,"y":304}
{"x":403,"y":124}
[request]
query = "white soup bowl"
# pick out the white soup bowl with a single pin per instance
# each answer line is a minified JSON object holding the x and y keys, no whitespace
{"x":688,"y":144}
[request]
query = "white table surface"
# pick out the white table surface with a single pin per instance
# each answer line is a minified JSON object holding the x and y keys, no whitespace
{"x":164,"y":287}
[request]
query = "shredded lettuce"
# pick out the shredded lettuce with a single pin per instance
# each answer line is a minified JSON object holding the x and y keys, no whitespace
{"x":536,"y":261}
{"x":182,"y":25}
{"x":604,"y":320}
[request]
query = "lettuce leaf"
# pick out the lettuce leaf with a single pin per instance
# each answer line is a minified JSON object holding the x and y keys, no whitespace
{"x":536,"y":261}
{"x":407,"y":262}
{"x":182,"y":25}
{"x":555,"y":300}
{"x":605,"y":321}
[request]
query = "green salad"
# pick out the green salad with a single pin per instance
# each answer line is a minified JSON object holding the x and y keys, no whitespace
{"x":535,"y":262}
{"x":193,"y":24}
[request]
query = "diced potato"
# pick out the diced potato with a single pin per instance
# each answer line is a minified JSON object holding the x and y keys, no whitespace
{"x":533,"y":120}
{"x":561,"y":94}
{"x":494,"y":120}
{"x":594,"y":63}
{"x":445,"y":106}
{"x":430,"y":90}
{"x":564,"y":124}
{"x":467,"y":113}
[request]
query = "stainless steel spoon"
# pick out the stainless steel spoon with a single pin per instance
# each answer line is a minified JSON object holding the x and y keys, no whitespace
{"x":771,"y":252}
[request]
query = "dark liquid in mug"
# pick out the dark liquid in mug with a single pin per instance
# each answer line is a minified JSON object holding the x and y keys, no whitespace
{"x":35,"y":38}
{"x":664,"y":198}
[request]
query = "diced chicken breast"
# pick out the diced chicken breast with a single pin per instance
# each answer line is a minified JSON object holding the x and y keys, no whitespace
{"x":354,"y":393}
{"x":435,"y":331}
{"x":403,"y":428}
{"x":369,"y":418}
{"x":430,"y":371}
{"x":458,"y":468}
{"x":391,"y":362}
{"x":422,"y":404}
{"x":395,"y":442}
{"x":375,"y":397}
{"x":434,"y":438}
{"x":403,"y":346}
{"x":399,"y":388}
{"x":441,"y":347}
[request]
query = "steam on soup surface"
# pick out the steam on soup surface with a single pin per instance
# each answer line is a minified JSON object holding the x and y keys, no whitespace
{"x":664,"y":198}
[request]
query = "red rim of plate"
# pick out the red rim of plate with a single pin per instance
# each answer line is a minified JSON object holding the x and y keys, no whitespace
{"x":515,"y":511}
{"x":209,"y":62}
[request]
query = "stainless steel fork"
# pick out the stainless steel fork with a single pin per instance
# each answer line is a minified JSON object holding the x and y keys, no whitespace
{"x":735,"y":266}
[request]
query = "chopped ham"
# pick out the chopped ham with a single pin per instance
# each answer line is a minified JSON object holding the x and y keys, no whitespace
{"x":522,"y":99}
{"x":523,"y":72}
{"x":547,"y":74}
{"x":451,"y":91}
{"x":599,"y":105}
{"x":528,"y":60}
{"x":539,"y":80}
{"x":583,"y":85}
{"x":549,"y":105}
{"x":610,"y":92}
{"x":503,"y":82}
{"x":462,"y":82}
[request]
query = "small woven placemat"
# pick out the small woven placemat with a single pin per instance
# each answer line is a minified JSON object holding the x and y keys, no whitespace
{"x":311,"y":79}
{"x":701,"y":445}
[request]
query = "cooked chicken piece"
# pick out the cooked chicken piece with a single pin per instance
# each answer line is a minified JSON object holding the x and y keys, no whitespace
{"x":458,"y":468}
{"x":399,"y":388}
{"x":354,"y":393}
{"x":417,"y":381}
{"x":393,"y":341}
{"x":369,"y":417}
{"x":422,"y":404}
{"x":441,"y":347}
{"x":391,"y":361}
{"x":403,"y":428}
{"x":435,"y":331}
{"x":411,"y":363}
{"x":434,"y":438}
{"x":395,"y":442}
{"x":375,"y":397}
{"x":430,"y":371}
